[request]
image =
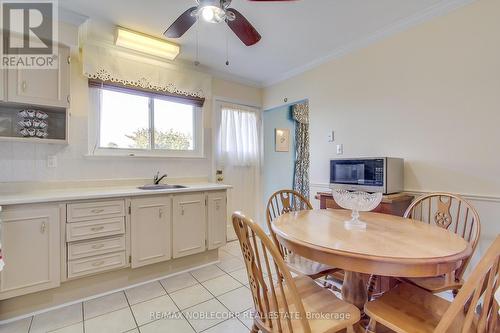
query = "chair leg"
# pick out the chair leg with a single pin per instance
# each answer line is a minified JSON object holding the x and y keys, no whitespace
{"x":371,"y":285}
{"x":255,"y":329}
{"x":372,"y":326}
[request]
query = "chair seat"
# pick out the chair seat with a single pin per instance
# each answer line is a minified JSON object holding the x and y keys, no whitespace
{"x":434,"y":284}
{"x":326,"y":312}
{"x":304,"y":266}
{"x":408,"y":308}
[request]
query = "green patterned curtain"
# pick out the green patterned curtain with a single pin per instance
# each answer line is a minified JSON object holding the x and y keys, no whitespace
{"x":301,"y":174}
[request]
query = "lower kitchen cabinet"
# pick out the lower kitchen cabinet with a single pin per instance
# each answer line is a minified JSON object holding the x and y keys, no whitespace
{"x":217,"y":216}
{"x":93,"y":237}
{"x":31,"y":249}
{"x":151,"y":225}
{"x":189,"y":224}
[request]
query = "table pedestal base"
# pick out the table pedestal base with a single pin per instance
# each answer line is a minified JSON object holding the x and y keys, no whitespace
{"x":354,"y":289}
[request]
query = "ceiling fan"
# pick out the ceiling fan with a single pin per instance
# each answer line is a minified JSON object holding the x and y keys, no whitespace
{"x":216,"y":11}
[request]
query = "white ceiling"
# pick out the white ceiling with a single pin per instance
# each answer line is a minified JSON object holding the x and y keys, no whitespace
{"x":295,"y":35}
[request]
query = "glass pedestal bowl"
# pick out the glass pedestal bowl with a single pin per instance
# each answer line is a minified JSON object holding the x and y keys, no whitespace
{"x":356,"y":201}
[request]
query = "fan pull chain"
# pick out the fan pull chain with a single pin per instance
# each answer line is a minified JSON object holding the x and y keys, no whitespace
{"x":227,"y":45}
{"x":197,"y":61}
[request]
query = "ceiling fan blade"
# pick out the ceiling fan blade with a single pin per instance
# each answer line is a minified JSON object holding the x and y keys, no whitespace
{"x":182,"y":24}
{"x":243,"y":29}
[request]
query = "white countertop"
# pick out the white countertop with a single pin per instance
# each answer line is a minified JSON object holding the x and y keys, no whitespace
{"x":85,"y":193}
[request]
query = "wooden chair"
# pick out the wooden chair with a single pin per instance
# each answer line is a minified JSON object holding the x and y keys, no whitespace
{"x":286,"y":304}
{"x":408,"y":308}
{"x":285,"y":201}
{"x":451,"y":212}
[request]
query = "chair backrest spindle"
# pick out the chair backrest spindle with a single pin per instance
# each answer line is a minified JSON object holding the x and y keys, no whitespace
{"x":441,"y":207}
{"x":476,"y":297}
{"x":281,"y":202}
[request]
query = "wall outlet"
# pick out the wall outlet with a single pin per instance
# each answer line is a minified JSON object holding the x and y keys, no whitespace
{"x":340,"y":149}
{"x":52,"y":161}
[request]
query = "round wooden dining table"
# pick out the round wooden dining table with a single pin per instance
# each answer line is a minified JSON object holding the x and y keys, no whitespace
{"x":390,"y":246}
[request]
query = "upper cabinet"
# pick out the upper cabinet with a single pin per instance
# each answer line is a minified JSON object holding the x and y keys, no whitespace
{"x":44,"y":91}
{"x":2,"y":84}
{"x":43,"y":87}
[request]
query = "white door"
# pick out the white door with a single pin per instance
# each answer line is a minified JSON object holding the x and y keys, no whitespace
{"x":189,"y":224}
{"x":238,"y":154}
{"x":30,"y":249}
{"x":150,"y":222}
{"x":47,"y":87}
{"x":217,"y":217}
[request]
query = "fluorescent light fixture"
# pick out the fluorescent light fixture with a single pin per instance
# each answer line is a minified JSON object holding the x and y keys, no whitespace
{"x":146,"y":44}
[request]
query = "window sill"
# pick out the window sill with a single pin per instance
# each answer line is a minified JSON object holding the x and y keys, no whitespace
{"x":143,"y":156}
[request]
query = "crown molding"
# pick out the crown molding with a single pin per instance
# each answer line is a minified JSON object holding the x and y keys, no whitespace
{"x":439,"y":9}
{"x":71,"y":17}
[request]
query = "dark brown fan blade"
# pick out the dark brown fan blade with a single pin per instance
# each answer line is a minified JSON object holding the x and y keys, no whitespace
{"x":181,"y":25}
{"x":243,"y":29}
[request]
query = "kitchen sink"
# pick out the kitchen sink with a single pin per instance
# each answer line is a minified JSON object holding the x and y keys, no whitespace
{"x":160,"y":187}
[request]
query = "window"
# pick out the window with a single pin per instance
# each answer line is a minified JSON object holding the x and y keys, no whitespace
{"x":136,"y":123}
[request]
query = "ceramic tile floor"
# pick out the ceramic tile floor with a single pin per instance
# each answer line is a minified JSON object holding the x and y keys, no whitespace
{"x":178,"y":302}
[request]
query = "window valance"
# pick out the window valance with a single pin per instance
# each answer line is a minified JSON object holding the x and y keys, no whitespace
{"x":114,"y":65}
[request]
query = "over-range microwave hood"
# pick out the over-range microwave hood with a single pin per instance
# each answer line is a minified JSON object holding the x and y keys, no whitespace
{"x":378,"y":174}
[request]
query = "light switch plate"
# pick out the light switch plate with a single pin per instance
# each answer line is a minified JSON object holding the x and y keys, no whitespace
{"x":340,"y":149}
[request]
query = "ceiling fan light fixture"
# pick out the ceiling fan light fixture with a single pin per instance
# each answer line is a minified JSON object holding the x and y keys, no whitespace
{"x":212,"y":14}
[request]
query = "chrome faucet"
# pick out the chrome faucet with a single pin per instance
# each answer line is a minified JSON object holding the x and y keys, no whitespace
{"x":157,"y":179}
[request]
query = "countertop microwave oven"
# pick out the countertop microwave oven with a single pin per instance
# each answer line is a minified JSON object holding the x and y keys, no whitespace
{"x":378,"y":174}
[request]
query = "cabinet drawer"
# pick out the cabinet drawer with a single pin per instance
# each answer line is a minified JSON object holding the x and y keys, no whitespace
{"x":95,"y":210}
{"x":81,"y":267}
{"x":93,"y":229}
{"x":95,"y":247}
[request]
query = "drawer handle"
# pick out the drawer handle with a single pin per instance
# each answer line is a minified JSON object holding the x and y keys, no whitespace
{"x":97,"y":211}
{"x":24,"y":85}
{"x":98,"y":263}
{"x":43,"y":227}
{"x":97,"y":228}
{"x":97,"y":246}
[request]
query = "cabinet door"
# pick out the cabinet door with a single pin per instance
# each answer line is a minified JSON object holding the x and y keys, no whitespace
{"x":150,"y":230}
{"x":31,"y":250}
{"x":189,"y":224}
{"x":217,"y":217}
{"x":46,"y":87}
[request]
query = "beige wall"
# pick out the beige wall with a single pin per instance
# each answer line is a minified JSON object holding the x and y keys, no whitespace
{"x":430,"y":94}
{"x":237,"y":92}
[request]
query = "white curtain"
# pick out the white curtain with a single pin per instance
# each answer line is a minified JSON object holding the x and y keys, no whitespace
{"x":238,"y":156}
{"x":239,"y":143}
